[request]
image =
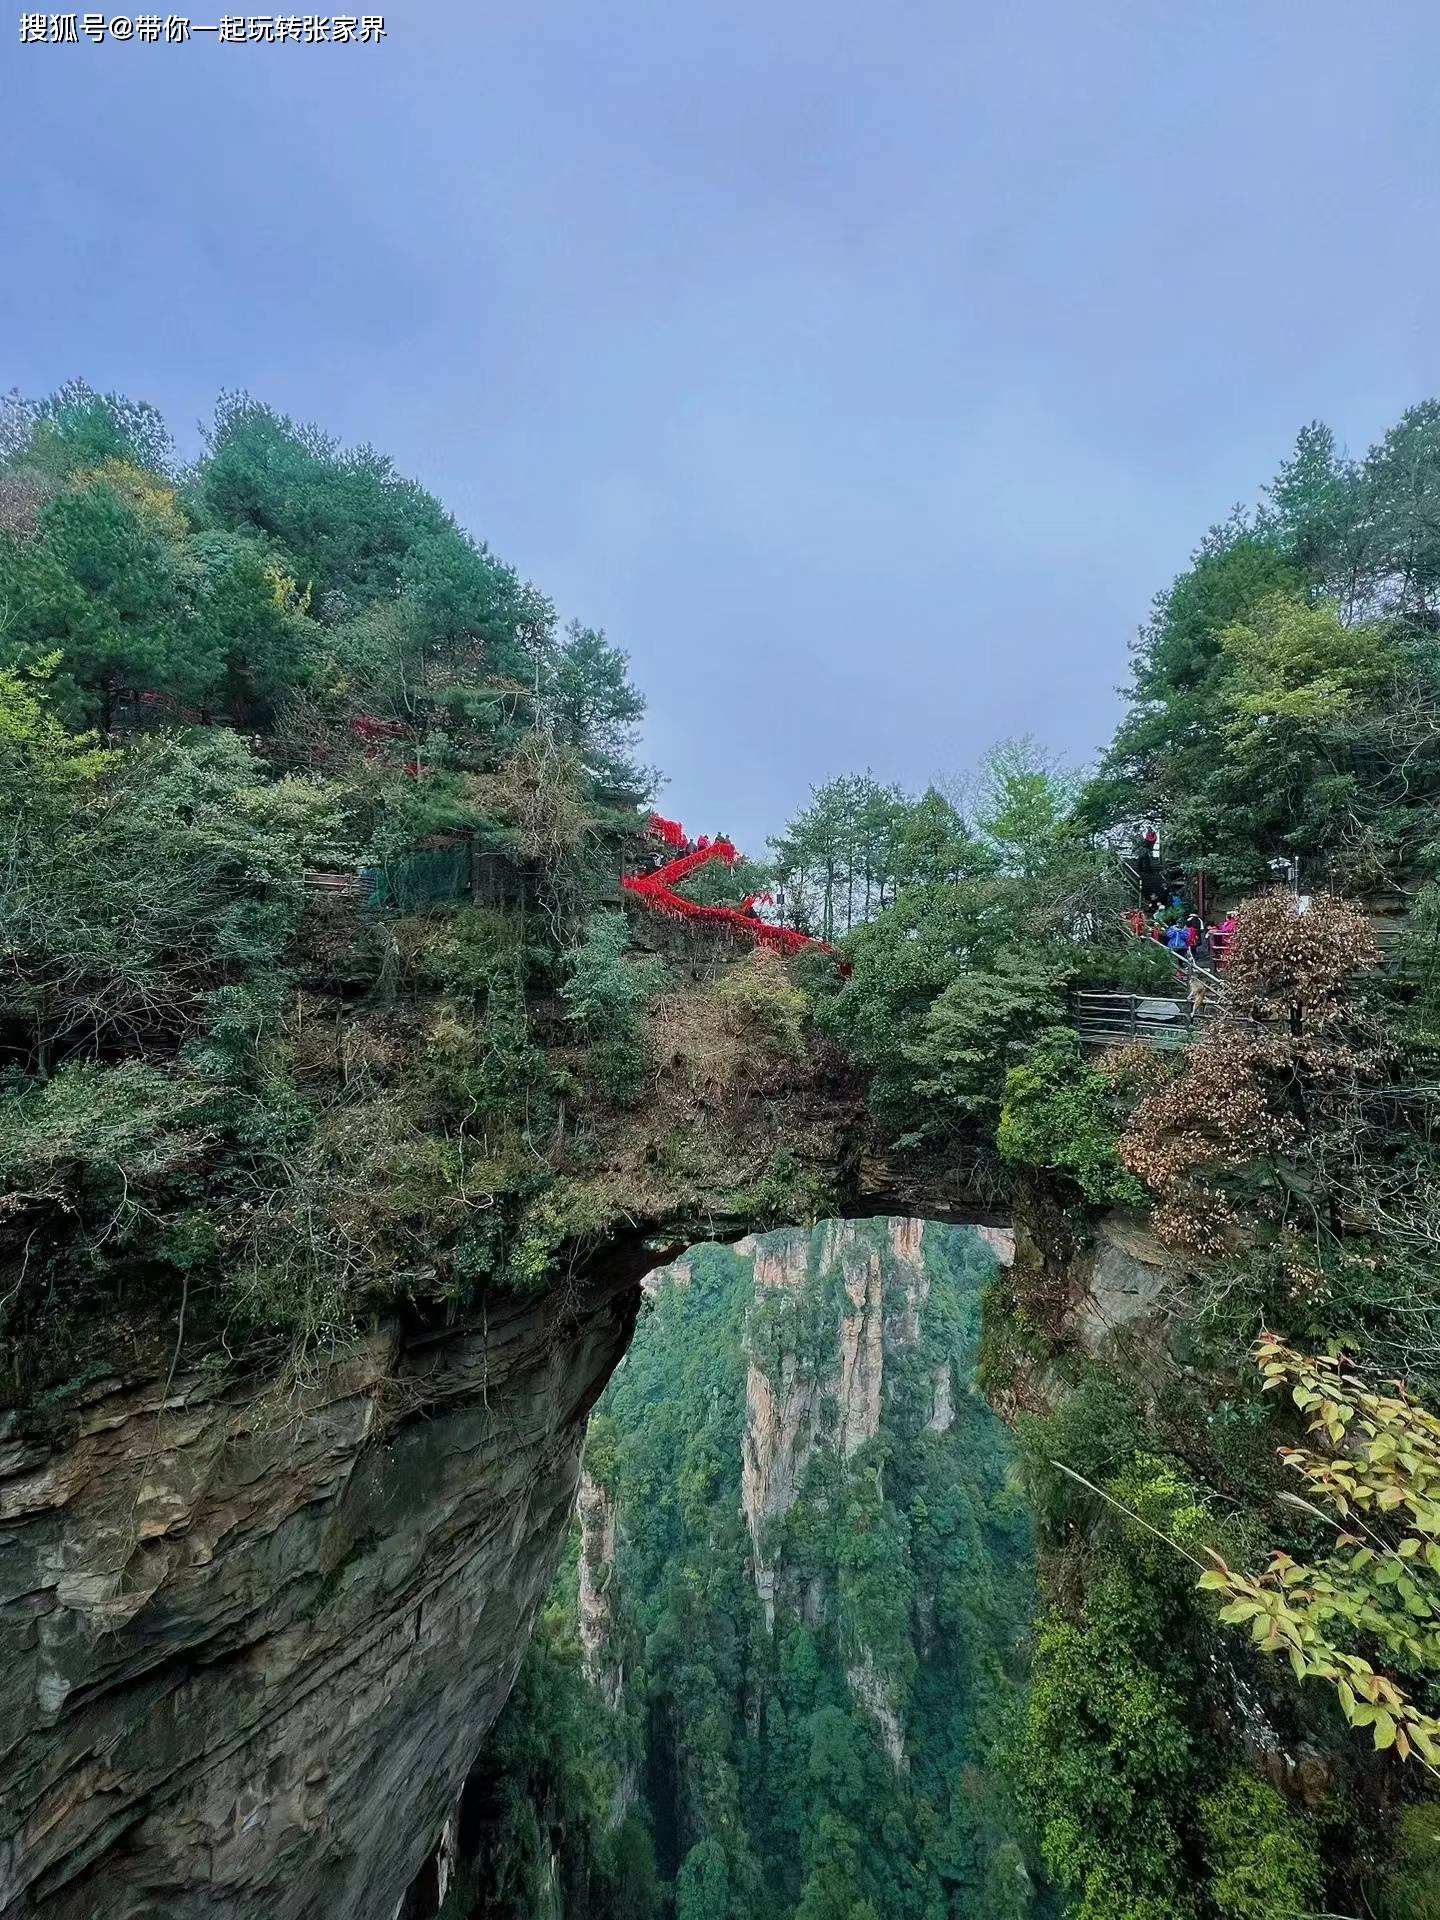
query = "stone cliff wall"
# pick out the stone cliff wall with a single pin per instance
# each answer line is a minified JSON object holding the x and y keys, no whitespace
{"x":595,"y":1510}
{"x":251,"y":1650}
{"x":794,"y":1404}
{"x":251,"y":1646}
{"x":786,"y":1407}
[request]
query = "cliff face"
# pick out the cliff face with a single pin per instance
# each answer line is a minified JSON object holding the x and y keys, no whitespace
{"x":834,"y":1393}
{"x":251,"y":1648}
{"x":254,"y":1641}
{"x":1104,"y":1287}
{"x":595,"y":1511}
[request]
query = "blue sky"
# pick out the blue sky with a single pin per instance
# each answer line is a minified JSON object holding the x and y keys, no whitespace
{"x":862,"y":369}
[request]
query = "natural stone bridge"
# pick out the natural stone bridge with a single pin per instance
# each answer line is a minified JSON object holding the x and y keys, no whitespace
{"x":254,"y":1642}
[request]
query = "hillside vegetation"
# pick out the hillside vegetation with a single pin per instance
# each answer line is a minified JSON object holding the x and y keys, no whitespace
{"x":1233,"y":1696}
{"x":316,"y":999}
{"x":312,"y":818}
{"x":1237,"y":1550}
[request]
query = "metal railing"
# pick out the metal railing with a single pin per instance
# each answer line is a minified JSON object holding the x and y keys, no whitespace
{"x":1146,"y":1019}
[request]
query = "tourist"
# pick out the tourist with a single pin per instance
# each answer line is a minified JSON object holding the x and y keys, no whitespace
{"x":1148,"y":863}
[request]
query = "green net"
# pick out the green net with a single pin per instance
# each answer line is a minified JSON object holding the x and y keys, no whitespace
{"x":418,"y":879}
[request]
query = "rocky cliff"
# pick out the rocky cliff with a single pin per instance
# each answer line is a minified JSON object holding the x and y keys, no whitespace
{"x":252,"y":1643}
{"x":595,"y":1511}
{"x":254,"y":1639}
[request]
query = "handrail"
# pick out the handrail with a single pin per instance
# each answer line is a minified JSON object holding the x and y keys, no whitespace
{"x":656,"y":890}
{"x":1157,"y":1020}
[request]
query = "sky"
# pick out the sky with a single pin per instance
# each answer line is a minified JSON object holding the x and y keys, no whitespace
{"x":862,"y":369}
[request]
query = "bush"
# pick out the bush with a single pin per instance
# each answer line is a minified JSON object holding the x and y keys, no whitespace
{"x":1060,"y":1113}
{"x":1261,"y":1854}
{"x":761,"y":1005}
{"x":1411,"y":1889}
{"x":605,"y":997}
{"x":1105,"y":1761}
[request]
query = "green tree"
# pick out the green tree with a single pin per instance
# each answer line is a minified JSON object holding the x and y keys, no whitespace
{"x":595,"y":707}
{"x":962,"y":1054}
{"x":343,"y":521}
{"x":702,"y":1891}
{"x":75,"y":428}
{"x":1262,"y":1856}
{"x":1024,"y":810}
{"x":1106,"y":1763}
{"x":932,"y":845}
{"x":99,"y":587}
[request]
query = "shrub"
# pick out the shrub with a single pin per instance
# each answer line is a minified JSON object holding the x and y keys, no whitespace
{"x":1104,"y":1762}
{"x":762,"y":1006}
{"x":1411,"y":1889}
{"x":1261,"y":1854}
{"x":605,"y":997}
{"x":1060,"y":1113}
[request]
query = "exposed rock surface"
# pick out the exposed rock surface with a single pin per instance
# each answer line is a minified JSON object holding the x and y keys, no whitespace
{"x":789,"y":1400}
{"x":1001,"y":1242}
{"x":250,"y":1651}
{"x":784,"y":1410}
{"x":943,"y":1417}
{"x":794,"y":1402}
{"x":871,"y":1693}
{"x":1118,"y":1280}
{"x":595,"y":1510}
{"x":1102,"y":1284}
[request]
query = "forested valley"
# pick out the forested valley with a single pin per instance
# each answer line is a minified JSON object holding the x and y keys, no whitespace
{"x":793,"y":1617}
{"x":324,"y":1007}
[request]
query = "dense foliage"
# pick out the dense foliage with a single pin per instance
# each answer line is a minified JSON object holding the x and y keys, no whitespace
{"x":1285,"y":688}
{"x":965,"y":928}
{"x":1282,"y":711}
{"x":307,"y":805}
{"x":1378,"y":1472}
{"x":1282,"y":721}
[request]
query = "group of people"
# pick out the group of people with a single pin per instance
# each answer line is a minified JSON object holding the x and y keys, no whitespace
{"x":1184,"y":934}
{"x":1164,"y":918}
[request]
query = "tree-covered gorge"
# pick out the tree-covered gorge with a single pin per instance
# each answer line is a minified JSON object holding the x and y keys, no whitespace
{"x":773,"y":1677}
